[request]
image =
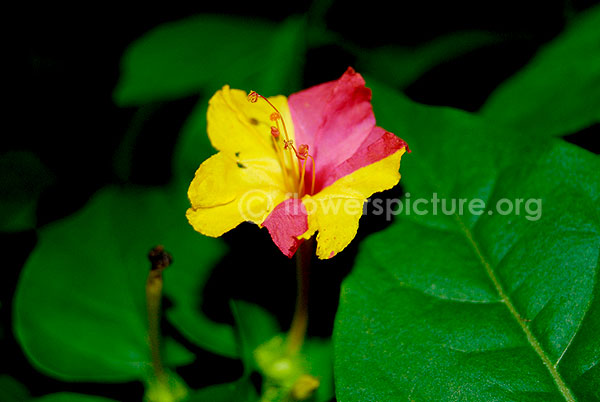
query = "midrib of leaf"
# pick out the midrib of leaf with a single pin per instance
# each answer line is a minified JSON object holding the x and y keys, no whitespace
{"x":535,"y":344}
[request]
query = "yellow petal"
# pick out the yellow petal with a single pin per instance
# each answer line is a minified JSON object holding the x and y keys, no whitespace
{"x":235,"y":125}
{"x":334,"y":212}
{"x":223,"y":194}
{"x":244,"y":181}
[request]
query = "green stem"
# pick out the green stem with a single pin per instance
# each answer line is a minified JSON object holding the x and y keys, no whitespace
{"x":160,"y":260}
{"x":297,"y":331}
{"x":154,"y":287}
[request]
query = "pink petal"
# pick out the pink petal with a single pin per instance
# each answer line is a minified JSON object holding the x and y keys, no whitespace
{"x":333,"y":119}
{"x":285,"y":223}
{"x":336,"y":120}
{"x":378,"y":145}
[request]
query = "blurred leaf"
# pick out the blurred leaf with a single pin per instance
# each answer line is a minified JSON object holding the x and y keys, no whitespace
{"x":11,"y":390}
{"x":71,"y":397}
{"x":476,"y":307}
{"x":185,"y":285}
{"x":80,"y":303}
{"x":239,"y":391}
{"x":170,"y":388}
{"x":558,"y":92}
{"x":400,"y":66}
{"x":23,"y":177}
{"x":319,"y":356}
{"x":207,"y":51}
{"x":255,"y":326}
{"x":193,"y":146}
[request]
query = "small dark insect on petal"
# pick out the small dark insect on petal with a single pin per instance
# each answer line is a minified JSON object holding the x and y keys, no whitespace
{"x":241,"y":166}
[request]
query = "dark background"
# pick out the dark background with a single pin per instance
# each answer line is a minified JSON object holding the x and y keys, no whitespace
{"x":64,"y":64}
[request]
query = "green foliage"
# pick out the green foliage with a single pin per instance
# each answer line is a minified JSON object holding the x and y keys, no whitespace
{"x":71,"y":397}
{"x":23,"y":177}
{"x":558,"y":92}
{"x":469,"y":306}
{"x":400,"y":66}
{"x":11,"y":390}
{"x":80,"y":305}
{"x":239,"y":391}
{"x":184,"y":287}
{"x":255,"y":326}
{"x":263,"y":349}
{"x":206,"y":52}
{"x":193,"y":146}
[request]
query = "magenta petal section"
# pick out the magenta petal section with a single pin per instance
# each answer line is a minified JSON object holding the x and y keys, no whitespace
{"x":285,"y":223}
{"x":336,"y":120}
{"x":378,"y":145}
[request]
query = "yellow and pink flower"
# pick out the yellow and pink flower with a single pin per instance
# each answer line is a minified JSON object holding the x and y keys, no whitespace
{"x":282,"y":163}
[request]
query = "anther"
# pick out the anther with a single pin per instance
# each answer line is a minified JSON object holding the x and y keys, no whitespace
{"x":275,"y":116}
{"x":275,"y":132}
{"x":252,"y":97}
{"x":303,"y":151}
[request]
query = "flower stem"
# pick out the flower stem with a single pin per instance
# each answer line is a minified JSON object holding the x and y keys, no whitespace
{"x":154,"y":286}
{"x":300,"y":321}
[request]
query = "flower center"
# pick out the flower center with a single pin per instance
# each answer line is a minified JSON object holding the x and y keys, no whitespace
{"x":301,"y":154}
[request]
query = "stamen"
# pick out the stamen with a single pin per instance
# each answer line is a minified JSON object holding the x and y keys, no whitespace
{"x":275,"y":132}
{"x":314,"y":173}
{"x":252,"y":97}
{"x":301,"y":153}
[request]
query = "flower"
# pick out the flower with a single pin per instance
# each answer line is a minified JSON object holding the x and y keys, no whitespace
{"x":296,"y":166}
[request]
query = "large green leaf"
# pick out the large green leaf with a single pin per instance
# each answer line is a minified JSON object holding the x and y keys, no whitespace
{"x":23,"y":177}
{"x":80,"y":302}
{"x":470,"y":307}
{"x":558,"y":92}
{"x":207,"y":51}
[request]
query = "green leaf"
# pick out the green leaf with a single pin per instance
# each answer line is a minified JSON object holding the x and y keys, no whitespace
{"x":193,"y":146}
{"x":71,"y":397}
{"x":400,"y":66}
{"x":23,"y":177}
{"x":255,"y":326}
{"x":239,"y":391}
{"x":11,"y":390}
{"x":469,"y":307}
{"x":184,"y":287}
{"x":319,"y":358}
{"x":79,"y":308}
{"x":558,"y":92}
{"x":207,"y":51}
